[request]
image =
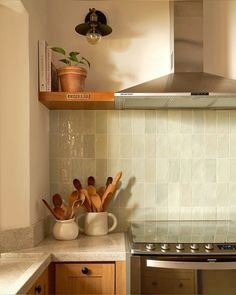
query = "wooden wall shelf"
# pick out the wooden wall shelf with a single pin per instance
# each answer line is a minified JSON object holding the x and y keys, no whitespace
{"x":78,"y":101}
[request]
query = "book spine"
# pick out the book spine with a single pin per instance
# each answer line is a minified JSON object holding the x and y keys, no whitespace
{"x":49,"y":69}
{"x":42,"y":65}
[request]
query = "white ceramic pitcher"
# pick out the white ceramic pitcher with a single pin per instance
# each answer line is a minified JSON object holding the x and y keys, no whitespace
{"x":65,"y":230}
{"x":96,"y":223}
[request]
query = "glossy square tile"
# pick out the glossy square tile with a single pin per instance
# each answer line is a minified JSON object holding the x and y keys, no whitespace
{"x":177,"y":164}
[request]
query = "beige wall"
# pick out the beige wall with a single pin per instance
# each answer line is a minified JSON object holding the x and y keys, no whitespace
{"x":39,"y":115}
{"x":136,"y":51}
{"x":219,"y":37}
{"x":24,"y":121}
{"x":14,"y":108}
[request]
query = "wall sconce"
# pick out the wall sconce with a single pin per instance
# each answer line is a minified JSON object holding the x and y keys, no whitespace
{"x":94,"y":27}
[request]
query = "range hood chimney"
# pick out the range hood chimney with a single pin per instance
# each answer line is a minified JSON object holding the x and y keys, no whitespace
{"x":187,"y":86}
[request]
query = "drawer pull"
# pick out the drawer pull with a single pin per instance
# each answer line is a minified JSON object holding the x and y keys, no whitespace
{"x":37,"y":289}
{"x":85,"y":270}
{"x":181,"y":285}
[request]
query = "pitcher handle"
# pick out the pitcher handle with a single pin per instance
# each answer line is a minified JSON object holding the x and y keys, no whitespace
{"x":114,"y":225}
{"x":80,"y":228}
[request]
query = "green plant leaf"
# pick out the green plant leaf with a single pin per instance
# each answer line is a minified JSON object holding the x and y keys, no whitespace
{"x":59,"y":50}
{"x":73,"y":58}
{"x":73,"y":53}
{"x":65,"y":61}
{"x":87,"y":62}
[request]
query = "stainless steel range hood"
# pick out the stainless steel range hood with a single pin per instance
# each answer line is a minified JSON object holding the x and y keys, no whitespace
{"x":187,"y":86}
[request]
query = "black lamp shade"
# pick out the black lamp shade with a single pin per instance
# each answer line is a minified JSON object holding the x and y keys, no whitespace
{"x":100,"y":24}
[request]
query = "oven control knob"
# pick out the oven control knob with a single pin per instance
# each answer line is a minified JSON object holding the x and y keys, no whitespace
{"x":180,"y":246}
{"x":150,"y":247}
{"x":165,"y":246}
{"x":209,"y":247}
{"x":194,"y":247}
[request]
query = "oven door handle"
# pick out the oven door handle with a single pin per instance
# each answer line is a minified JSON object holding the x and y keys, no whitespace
{"x":211,"y":264}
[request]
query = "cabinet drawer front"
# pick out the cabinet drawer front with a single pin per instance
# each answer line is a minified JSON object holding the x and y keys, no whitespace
{"x":85,"y":278}
{"x":168,"y":282}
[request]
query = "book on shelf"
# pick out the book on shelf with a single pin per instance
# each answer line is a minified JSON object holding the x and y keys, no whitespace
{"x":42,"y":45}
{"x":48,"y":79}
{"x":51,"y":75}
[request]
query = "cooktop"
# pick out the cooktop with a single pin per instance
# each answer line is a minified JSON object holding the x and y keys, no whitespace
{"x":184,"y":237}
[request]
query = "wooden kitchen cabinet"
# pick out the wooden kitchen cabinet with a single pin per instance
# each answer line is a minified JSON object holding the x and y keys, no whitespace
{"x":44,"y":285}
{"x":85,"y":278}
{"x":41,"y":286}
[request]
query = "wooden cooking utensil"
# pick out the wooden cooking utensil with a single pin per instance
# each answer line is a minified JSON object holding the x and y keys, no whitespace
{"x":96,"y":202}
{"x":77,"y":184}
{"x":109,"y":191}
{"x":73,"y":197}
{"x":57,"y":200}
{"x":107,"y":201}
{"x":87,"y":201}
{"x":91,"y":180}
{"x":109,"y":181}
{"x":101,"y":191}
{"x":117,"y":178}
{"x":75,"y":205}
{"x":60,"y":213}
{"x":91,"y":190}
{"x":50,"y":209}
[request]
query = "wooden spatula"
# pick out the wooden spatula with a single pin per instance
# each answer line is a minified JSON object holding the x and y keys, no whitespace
{"x":109,"y":191}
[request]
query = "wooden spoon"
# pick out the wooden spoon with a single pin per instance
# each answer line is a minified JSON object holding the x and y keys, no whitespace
{"x":91,"y":180}
{"x":101,"y":191}
{"x":57,"y":200}
{"x":77,"y":184}
{"x":60,"y":213}
{"x":87,"y":202}
{"x":91,"y":190}
{"x":50,"y":209}
{"x":96,"y":201}
{"x":73,"y":197}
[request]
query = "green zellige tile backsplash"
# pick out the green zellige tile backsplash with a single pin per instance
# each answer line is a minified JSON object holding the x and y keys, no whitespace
{"x":176,"y":164}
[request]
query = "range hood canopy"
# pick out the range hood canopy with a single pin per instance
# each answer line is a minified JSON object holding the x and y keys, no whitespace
{"x":187,"y":86}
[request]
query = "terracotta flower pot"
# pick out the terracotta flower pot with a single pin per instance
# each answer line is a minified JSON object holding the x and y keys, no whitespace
{"x":72,"y":79}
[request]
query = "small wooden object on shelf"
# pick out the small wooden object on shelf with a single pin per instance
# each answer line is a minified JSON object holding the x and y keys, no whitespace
{"x":78,"y":100}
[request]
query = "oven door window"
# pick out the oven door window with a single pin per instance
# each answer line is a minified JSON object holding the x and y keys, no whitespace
{"x":164,"y":277}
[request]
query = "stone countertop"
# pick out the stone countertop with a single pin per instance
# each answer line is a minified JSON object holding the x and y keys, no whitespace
{"x":18,"y":273}
{"x":20,"y":269}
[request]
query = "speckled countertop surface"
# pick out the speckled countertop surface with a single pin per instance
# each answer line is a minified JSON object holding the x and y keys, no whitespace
{"x":20,"y":269}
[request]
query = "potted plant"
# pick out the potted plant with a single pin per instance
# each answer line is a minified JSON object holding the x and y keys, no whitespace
{"x":72,"y":75}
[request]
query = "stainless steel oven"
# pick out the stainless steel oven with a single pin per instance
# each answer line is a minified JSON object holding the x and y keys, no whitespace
{"x":183,"y":258}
